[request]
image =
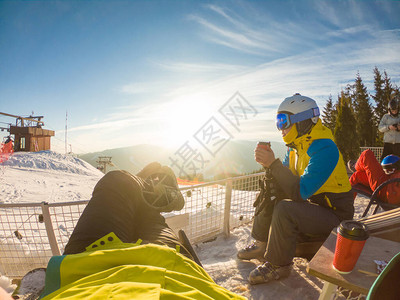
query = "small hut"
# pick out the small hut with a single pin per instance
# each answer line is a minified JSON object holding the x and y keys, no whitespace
{"x":31,"y":139}
{"x":29,"y":134}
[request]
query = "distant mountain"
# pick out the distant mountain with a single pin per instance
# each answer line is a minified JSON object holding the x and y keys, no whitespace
{"x":236,"y":157}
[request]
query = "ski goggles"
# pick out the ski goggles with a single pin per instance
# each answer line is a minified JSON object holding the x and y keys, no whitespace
{"x":285,"y":120}
{"x":389,"y":169}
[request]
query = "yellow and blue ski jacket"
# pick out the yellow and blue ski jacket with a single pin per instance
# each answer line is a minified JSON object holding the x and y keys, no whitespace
{"x":318,"y":172}
{"x":110,"y":268}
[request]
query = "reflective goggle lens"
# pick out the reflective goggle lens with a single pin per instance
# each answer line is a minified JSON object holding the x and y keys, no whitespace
{"x":282,"y":121}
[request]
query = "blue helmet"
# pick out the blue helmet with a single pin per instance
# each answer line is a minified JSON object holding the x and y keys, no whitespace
{"x":390,"y":163}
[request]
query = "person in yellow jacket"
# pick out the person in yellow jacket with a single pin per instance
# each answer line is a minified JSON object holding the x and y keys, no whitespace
{"x":312,"y":186}
{"x":121,"y":247}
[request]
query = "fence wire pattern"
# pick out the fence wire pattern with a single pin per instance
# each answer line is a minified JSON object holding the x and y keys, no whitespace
{"x":30,"y":233}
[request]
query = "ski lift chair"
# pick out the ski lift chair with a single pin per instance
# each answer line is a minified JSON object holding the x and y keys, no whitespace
{"x":373,"y":196}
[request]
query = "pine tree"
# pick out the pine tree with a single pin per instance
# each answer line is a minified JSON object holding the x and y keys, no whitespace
{"x":345,"y":133}
{"x":329,"y":114}
{"x":379,"y":99}
{"x":365,"y":125}
{"x":388,"y":90}
{"x":396,"y":91}
{"x":380,"y":104}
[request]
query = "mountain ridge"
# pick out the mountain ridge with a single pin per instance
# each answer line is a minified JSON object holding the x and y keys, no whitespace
{"x":235,"y":158}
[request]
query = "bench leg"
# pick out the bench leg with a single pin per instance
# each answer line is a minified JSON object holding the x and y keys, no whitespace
{"x":327,"y":291}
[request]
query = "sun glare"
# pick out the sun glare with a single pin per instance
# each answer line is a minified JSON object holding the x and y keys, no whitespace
{"x":184,"y":117}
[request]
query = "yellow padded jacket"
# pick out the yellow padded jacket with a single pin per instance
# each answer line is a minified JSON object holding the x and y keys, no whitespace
{"x":115,"y":270}
{"x":319,"y":145}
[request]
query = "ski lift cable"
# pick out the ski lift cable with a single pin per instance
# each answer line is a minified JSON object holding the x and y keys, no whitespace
{"x":74,"y":142}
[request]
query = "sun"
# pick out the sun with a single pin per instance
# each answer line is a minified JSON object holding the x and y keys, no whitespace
{"x":182,"y":118}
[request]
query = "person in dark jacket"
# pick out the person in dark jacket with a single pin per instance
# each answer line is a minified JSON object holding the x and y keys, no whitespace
{"x":121,"y":247}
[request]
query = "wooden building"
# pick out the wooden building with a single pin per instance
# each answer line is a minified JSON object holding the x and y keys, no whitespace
{"x":29,"y":134}
{"x":31,"y":139}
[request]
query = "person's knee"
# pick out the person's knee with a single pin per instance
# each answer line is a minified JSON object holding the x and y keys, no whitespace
{"x":288,"y":210}
{"x":355,"y":177}
{"x":366,"y":155}
{"x":282,"y":208}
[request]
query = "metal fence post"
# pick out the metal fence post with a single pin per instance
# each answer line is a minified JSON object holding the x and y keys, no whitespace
{"x":227,"y":210}
{"x":49,"y":229}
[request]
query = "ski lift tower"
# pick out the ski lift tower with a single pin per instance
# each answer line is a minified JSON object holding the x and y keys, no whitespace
{"x":103,"y":162}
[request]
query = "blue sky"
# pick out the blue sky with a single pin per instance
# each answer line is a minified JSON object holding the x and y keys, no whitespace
{"x":154,"y":72}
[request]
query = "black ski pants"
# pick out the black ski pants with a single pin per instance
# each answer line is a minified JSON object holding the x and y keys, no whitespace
{"x":389,"y":148}
{"x":282,"y":227}
{"x":117,"y":205}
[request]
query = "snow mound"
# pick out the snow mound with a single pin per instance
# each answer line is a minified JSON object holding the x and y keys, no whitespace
{"x":49,"y":160}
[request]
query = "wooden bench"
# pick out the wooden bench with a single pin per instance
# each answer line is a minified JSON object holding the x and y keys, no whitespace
{"x":383,"y":244}
{"x":362,"y":277}
{"x":385,"y":225}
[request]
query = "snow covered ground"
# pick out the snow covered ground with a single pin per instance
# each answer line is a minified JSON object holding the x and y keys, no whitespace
{"x":46,"y":176}
{"x":52,"y":177}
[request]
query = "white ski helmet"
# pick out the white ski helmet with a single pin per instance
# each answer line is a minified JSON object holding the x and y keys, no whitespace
{"x":294,"y":110}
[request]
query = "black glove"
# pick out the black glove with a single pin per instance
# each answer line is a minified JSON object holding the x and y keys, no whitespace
{"x":268,"y":195}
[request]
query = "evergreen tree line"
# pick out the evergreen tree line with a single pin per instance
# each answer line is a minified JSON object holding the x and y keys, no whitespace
{"x":355,"y":116}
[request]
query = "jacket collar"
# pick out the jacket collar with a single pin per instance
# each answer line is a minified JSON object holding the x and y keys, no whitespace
{"x":318,"y":131}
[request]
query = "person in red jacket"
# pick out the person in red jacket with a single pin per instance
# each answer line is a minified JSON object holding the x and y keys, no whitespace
{"x":8,"y":146}
{"x":6,"y":149}
{"x":368,"y":172}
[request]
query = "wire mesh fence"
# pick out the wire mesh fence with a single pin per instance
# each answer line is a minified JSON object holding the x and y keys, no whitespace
{"x":24,"y":244}
{"x":30,"y":233}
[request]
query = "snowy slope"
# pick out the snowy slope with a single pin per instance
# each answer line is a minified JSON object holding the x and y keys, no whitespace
{"x":46,"y":176}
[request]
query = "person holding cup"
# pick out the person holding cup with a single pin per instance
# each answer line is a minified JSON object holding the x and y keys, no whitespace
{"x":389,"y":126}
{"x":314,"y":190}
